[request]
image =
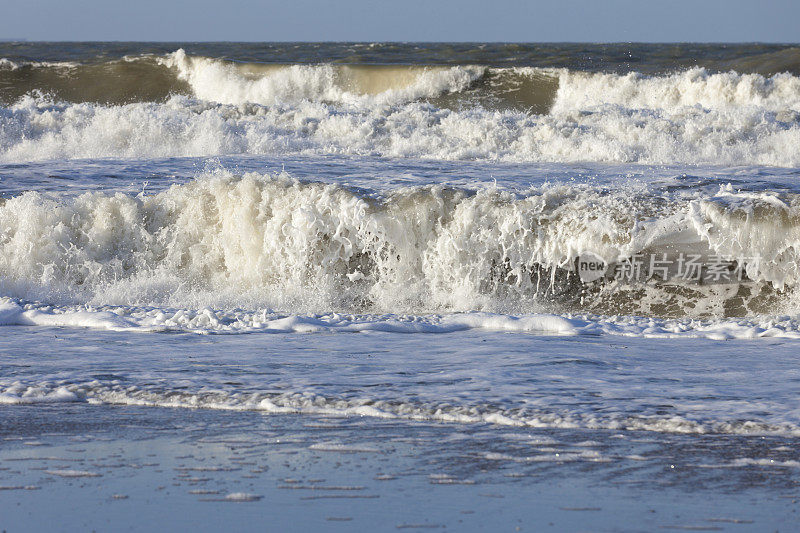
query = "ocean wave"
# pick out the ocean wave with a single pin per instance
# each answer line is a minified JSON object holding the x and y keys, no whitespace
{"x":36,"y":128}
{"x":181,"y":105}
{"x":134,"y":79}
{"x":767,"y":63}
{"x":151,"y":78}
{"x":308,"y":402}
{"x":524,"y":88}
{"x":272,"y":242}
{"x":236,"y":83}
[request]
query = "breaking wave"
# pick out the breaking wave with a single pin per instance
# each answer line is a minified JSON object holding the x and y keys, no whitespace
{"x":151,"y":78}
{"x":543,"y":90}
{"x":39,"y":129}
{"x":224,"y":82}
{"x":257,"y":242}
{"x":180,"y":105}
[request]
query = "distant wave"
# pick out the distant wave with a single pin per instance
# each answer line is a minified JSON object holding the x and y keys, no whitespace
{"x":195,"y":106}
{"x":523,"y":88}
{"x":134,"y":79}
{"x":40,"y":129}
{"x":151,"y":78}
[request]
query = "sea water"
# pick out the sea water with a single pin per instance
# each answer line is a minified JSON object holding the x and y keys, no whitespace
{"x":380,"y":252}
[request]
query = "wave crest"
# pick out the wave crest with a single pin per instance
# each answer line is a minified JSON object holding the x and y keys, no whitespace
{"x":236,"y":83}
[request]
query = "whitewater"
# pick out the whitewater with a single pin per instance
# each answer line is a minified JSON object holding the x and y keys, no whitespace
{"x":466,"y":112}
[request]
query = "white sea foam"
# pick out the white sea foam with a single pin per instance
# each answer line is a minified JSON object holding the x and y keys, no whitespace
{"x":35,"y":128}
{"x":207,"y":321}
{"x":695,"y":87}
{"x":17,"y":393}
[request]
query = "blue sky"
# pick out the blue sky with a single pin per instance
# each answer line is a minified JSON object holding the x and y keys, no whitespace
{"x":408,"y":20}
